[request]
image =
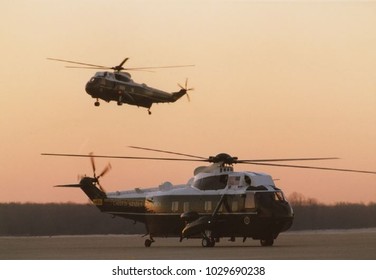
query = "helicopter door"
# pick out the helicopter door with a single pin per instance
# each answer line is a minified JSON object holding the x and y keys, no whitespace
{"x":250,"y":200}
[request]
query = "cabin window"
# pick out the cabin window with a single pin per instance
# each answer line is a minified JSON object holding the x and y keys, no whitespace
{"x":175,"y":206}
{"x":220,"y":210}
{"x":211,"y":182}
{"x":247,"y":180}
{"x":250,"y":200}
{"x":185,"y":206}
{"x":233,"y":180}
{"x":208,"y":206}
{"x":234,"y":206}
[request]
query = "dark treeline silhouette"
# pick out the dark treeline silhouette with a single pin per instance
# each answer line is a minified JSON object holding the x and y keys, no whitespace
{"x":310,"y":214}
{"x":30,"y":219}
{"x":61,"y":219}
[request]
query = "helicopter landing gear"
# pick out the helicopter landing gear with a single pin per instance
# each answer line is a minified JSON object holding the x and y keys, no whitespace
{"x":148,"y":242}
{"x":267,"y":242}
{"x":120,"y":101}
{"x":149,"y":112}
{"x":207,"y":239}
{"x":208,"y":242}
{"x":96,"y":103}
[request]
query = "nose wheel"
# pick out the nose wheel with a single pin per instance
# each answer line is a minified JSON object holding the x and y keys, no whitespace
{"x":96,"y":103}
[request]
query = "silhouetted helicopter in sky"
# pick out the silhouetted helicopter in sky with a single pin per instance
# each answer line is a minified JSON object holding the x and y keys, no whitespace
{"x":118,"y":85}
{"x":216,"y":202}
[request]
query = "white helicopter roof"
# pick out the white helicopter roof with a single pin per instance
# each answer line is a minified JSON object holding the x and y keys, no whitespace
{"x":232,"y":182}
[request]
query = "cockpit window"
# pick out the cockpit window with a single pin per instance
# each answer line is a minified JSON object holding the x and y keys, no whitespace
{"x":278,"y":196}
{"x":95,"y":80}
{"x":267,"y":199}
{"x":122,"y":78}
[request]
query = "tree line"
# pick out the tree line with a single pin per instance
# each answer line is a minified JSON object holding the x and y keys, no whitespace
{"x":31,"y":219}
{"x":309,"y":214}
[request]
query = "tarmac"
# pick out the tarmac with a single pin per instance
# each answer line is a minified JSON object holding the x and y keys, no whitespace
{"x":359,"y":244}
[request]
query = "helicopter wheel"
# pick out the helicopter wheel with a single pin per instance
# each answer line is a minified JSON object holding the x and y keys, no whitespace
{"x":149,"y":112}
{"x":266,"y":242}
{"x":207,"y":242}
{"x":148,"y":242}
{"x":97,"y":104}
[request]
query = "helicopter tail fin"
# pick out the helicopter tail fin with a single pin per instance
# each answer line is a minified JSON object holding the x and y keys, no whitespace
{"x":177,"y":95}
{"x":88,"y":185}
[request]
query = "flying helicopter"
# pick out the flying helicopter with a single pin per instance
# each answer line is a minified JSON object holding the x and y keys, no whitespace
{"x":217,"y":202}
{"x":118,"y":85}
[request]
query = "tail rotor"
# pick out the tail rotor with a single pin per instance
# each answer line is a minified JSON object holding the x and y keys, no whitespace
{"x":186,"y":89}
{"x":105,"y":170}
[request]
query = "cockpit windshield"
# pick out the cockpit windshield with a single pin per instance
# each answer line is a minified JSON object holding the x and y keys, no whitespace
{"x":122,"y":78}
{"x":94,"y":80}
{"x":278,"y":196}
{"x":267,"y":199}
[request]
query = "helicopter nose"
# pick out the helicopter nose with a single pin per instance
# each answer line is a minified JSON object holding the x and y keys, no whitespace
{"x":90,"y":87}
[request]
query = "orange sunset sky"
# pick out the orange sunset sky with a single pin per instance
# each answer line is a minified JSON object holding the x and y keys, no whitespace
{"x":273,"y":79}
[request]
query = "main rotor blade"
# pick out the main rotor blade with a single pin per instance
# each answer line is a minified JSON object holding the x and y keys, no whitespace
{"x":312,"y":167}
{"x":118,"y":67}
{"x":68,"y":186}
{"x":158,"y":67}
{"x":89,"y":67}
{"x":76,"y":62}
{"x":107,"y":68}
{"x":166,"y":152}
{"x":122,"y":63}
{"x":123,"y":157}
{"x":282,"y":159}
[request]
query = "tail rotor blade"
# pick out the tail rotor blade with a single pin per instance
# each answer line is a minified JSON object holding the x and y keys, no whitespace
{"x":92,"y":163}
{"x":100,"y":187}
{"x":186,"y":89}
{"x":105,"y":170}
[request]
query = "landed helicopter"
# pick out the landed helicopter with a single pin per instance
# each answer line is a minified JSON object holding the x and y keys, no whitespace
{"x":118,"y":85}
{"x":216,"y":202}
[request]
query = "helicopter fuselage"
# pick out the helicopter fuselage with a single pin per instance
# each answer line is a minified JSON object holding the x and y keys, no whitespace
{"x":119,"y":87}
{"x":210,"y":206}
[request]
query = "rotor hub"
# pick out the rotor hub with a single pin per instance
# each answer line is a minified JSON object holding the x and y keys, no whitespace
{"x":224,"y":158}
